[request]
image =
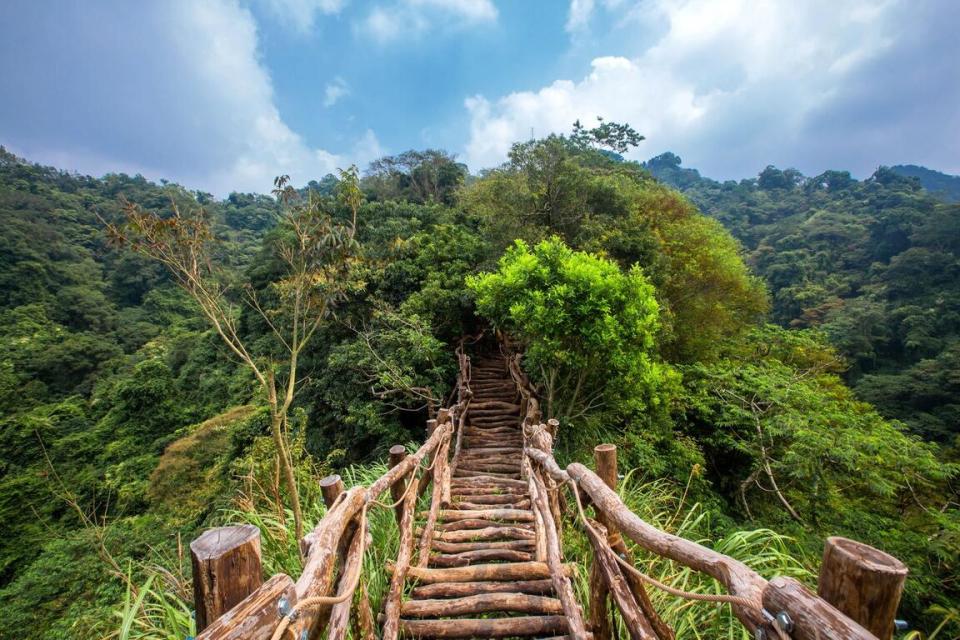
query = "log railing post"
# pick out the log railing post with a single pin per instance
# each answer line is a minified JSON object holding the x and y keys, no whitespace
{"x":397,"y":454}
{"x":605,"y":458}
{"x":862,"y":582}
{"x":331,"y":487}
{"x":226,"y":569}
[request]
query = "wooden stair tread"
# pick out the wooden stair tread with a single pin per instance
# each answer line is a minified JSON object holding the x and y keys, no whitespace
{"x":482,"y":603}
{"x":520,"y":626}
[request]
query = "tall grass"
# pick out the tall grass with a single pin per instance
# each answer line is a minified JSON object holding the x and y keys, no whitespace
{"x":160,"y":607}
{"x":660,"y":503}
{"x":154,"y":609}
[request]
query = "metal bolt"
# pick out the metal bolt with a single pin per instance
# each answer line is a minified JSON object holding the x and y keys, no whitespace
{"x":784,"y":621}
{"x":283,"y":607}
{"x":899,"y":626}
{"x":760,"y":633}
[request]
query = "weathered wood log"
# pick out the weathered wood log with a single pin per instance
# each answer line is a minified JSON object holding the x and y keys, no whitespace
{"x":561,"y":583}
{"x":226,"y":569}
{"x":397,"y":453}
{"x":636,"y":622}
{"x":402,"y":469}
{"x":488,"y":490}
{"x":318,"y":573}
{"x":502,"y":515}
{"x":488,"y":480}
{"x":519,"y":503}
{"x":490,"y":498}
{"x":468,"y":473}
{"x":423,"y":548}
{"x":391,"y":607}
{"x":737,"y":577}
{"x":431,"y":427}
{"x":487,"y":533}
{"x":330,"y":488}
{"x":862,"y":582}
{"x":499,"y":572}
{"x":482,"y":603}
{"x":541,"y":539}
{"x":499,"y":453}
{"x":463,"y":589}
{"x":813,"y":617}
{"x":480,"y":523}
{"x":443,"y":546}
{"x":254,"y":617}
{"x":599,"y":611}
{"x":484,"y":627}
{"x":495,"y":467}
{"x":605,"y":459}
{"x":353,"y":565}
{"x":466,"y":558}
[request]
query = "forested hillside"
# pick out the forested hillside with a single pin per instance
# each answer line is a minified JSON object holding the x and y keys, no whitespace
{"x":874,"y":265}
{"x":132,"y":419}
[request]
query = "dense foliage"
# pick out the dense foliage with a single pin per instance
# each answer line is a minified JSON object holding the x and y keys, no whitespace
{"x":874,"y":264}
{"x":128,"y":426}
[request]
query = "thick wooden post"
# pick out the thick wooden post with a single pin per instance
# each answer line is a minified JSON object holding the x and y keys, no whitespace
{"x":553,"y":425}
{"x":397,"y":454}
{"x":862,"y":582}
{"x":331,"y":487}
{"x":226,"y":569}
{"x":605,"y":459}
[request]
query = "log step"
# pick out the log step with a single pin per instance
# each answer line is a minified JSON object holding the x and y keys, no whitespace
{"x":522,"y":626}
{"x":463,"y":589}
{"x":479,"y":556}
{"x":503,"y":515}
{"x":460,"y":547}
{"x":482,"y":603}
{"x":499,"y":572}
{"x":484,"y":533}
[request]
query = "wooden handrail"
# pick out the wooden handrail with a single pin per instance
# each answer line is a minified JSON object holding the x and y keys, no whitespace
{"x":256,"y":616}
{"x":334,"y":549}
{"x":809,"y":617}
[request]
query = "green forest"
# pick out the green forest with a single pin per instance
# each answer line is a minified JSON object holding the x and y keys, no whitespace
{"x":777,"y":359}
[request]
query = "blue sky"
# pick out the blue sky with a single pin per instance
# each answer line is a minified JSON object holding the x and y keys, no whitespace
{"x":222,"y":95}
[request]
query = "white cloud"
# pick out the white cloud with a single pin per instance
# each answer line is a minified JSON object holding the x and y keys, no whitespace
{"x":410,"y":19}
{"x":334,"y":91}
{"x":580,"y":14}
{"x":177,"y":91}
{"x":302,"y":14}
{"x":722,"y":83}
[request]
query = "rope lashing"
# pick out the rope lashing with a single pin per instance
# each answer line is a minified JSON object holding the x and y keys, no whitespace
{"x":320,"y":601}
{"x":680,"y":593}
{"x":315,"y":601}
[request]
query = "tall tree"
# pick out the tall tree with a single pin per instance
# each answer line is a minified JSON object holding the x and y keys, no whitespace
{"x":315,"y":250}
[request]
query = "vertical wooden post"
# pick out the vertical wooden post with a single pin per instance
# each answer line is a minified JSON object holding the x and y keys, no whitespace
{"x":226,"y":569}
{"x":553,"y":425}
{"x":605,"y":459}
{"x":397,"y":454}
{"x":331,"y":487}
{"x":862,"y":582}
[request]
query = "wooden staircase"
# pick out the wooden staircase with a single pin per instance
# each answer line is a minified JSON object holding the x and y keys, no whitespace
{"x":488,"y":563}
{"x":483,"y":560}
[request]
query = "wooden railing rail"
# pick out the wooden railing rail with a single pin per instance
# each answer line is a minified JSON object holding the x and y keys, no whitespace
{"x":778,"y":608}
{"x":322,"y":598}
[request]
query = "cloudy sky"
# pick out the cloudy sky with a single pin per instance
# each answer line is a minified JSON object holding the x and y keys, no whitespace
{"x":222,"y":95}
